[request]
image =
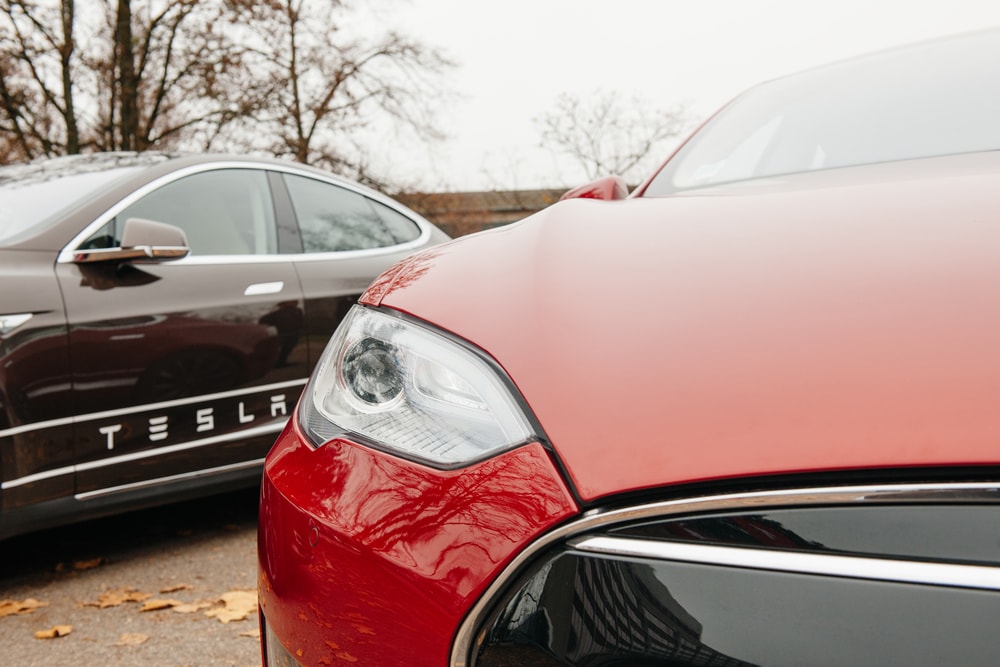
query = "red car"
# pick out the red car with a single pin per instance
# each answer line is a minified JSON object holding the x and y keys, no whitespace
{"x":749,"y":414}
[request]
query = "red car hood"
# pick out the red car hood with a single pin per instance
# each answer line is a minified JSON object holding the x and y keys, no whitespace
{"x":833,"y":320}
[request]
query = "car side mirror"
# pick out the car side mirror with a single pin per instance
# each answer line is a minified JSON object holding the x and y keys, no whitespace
{"x":141,"y":239}
{"x":608,"y":188}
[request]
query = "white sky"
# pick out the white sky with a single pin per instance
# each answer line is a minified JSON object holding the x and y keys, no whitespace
{"x":515,"y":56}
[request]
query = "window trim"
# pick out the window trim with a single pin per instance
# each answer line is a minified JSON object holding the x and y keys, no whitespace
{"x":66,"y":255}
{"x":594,"y":520}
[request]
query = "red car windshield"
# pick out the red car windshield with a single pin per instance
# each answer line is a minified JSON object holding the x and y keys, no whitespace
{"x":930,"y":99}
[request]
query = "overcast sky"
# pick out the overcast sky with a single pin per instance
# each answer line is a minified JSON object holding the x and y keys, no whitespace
{"x":515,"y":56}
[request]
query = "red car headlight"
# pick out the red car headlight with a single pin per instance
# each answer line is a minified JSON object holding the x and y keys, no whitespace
{"x":413,"y":390}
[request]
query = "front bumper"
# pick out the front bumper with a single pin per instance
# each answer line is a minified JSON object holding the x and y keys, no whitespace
{"x":274,"y":654}
{"x":371,"y":559}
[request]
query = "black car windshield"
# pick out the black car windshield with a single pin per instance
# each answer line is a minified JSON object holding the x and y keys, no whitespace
{"x":31,"y":195}
{"x":930,"y":99}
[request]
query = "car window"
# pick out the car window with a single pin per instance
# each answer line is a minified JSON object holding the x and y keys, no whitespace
{"x":223,"y":212}
{"x":27,"y":201}
{"x":402,"y":228}
{"x":335,"y":219}
{"x":898,"y":105}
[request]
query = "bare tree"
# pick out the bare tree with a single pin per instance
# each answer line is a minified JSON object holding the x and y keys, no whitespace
{"x":292,"y":78}
{"x":36,"y":46}
{"x":606,"y":134}
{"x":171,"y":75}
{"x":101,"y":75}
{"x":323,"y":84}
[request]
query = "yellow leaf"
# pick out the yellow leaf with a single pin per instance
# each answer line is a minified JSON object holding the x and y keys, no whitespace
{"x":175,"y":588}
{"x":191,"y":607}
{"x":156,"y":605}
{"x":55,"y":631}
{"x":12,"y":607}
{"x":132,"y":639}
{"x":117,"y":597}
{"x":238,"y":605}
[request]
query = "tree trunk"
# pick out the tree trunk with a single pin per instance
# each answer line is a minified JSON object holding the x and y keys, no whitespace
{"x":66,"y":55}
{"x":127,"y":84}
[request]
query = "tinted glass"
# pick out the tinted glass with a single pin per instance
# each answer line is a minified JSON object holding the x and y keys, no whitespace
{"x":949,"y":532}
{"x":938,"y":98}
{"x":402,"y":228}
{"x":223,"y":212}
{"x":583,"y":609}
{"x":334,"y":219}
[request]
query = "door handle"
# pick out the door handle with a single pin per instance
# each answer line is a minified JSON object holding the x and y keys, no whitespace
{"x":258,"y":289}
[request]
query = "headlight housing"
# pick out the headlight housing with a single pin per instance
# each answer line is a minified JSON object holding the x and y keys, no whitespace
{"x":412,"y":390}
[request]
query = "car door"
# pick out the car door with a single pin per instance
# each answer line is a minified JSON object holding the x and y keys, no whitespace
{"x":187,"y":367}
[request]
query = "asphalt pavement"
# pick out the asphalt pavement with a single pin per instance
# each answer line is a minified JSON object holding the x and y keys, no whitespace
{"x":172,"y":586}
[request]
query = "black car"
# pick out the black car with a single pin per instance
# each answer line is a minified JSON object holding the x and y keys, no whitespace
{"x":159,"y":316}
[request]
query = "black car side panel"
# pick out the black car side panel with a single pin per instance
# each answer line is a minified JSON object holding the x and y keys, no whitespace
{"x":204,"y":379}
{"x":35,"y":464}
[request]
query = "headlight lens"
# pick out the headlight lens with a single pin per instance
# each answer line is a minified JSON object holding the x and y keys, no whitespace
{"x":412,"y":390}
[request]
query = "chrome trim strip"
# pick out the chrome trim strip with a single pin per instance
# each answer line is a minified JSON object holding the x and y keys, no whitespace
{"x":37,"y":477}
{"x":172,"y":478}
{"x":599,"y":519}
{"x":36,"y":426}
{"x":952,"y":575}
{"x":273,"y":427}
{"x":80,"y":419}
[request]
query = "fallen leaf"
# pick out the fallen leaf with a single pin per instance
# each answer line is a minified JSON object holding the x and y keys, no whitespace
{"x":157,"y":604}
{"x":55,"y":631}
{"x":238,"y":605}
{"x":174,"y":589}
{"x":132,"y":639}
{"x":117,"y":597}
{"x":13,"y":607}
{"x":191,"y":607}
{"x":255,"y":633}
{"x":82,"y":565}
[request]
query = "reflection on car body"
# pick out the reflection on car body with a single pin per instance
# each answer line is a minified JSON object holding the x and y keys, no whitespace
{"x":773,"y":444}
{"x":160,"y":315}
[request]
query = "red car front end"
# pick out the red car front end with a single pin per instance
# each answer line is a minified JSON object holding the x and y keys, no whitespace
{"x":747,"y":416}
{"x":349,"y":575}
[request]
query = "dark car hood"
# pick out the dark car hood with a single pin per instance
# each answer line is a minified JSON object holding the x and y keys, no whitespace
{"x":834,"y":320}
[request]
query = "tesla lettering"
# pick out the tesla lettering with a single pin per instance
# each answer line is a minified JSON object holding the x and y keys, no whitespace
{"x":158,"y":428}
{"x":278,"y":405}
{"x":110,"y":431}
{"x":206,"y":419}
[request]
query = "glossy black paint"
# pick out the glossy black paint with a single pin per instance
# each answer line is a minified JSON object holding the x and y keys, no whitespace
{"x":137,"y":382}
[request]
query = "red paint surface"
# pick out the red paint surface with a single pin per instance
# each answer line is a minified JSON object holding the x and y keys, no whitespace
{"x":834,"y":320}
{"x":402,"y":551}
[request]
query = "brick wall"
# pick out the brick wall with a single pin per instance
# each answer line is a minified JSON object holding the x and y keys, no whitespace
{"x":460,"y":213}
